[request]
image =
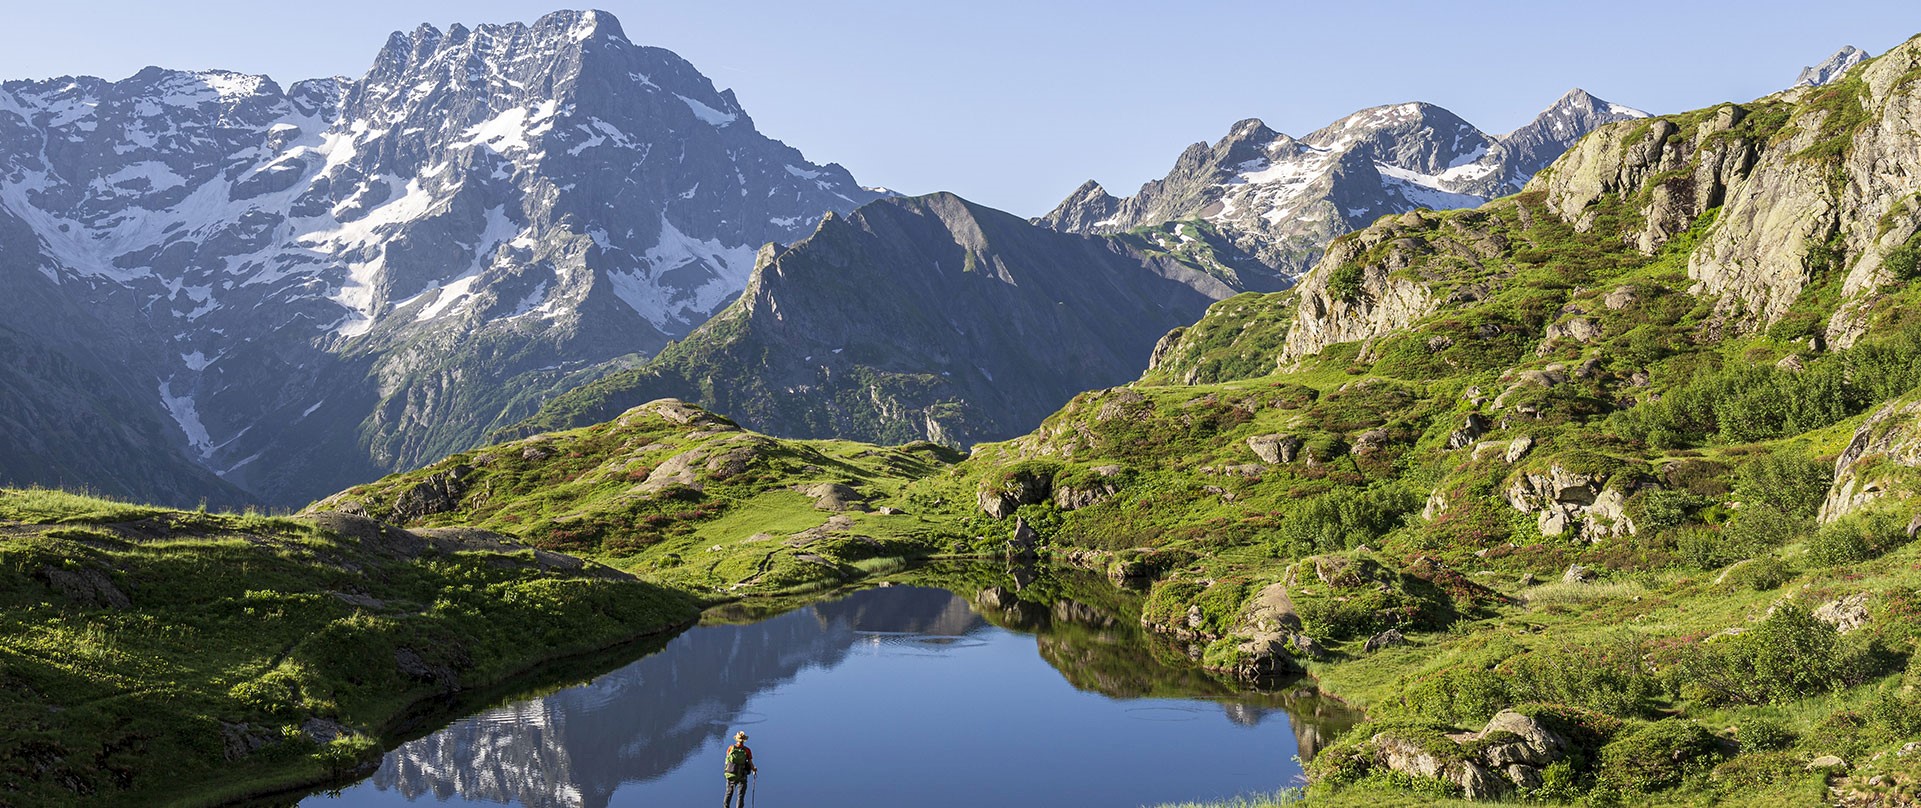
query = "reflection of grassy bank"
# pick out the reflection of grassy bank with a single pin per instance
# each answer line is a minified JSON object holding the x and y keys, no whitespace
{"x":149,"y":655}
{"x":1090,"y":630}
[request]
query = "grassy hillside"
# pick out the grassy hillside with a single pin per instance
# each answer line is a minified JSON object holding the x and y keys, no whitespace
{"x":683,"y":496}
{"x":1571,"y":461}
{"x":152,"y":656}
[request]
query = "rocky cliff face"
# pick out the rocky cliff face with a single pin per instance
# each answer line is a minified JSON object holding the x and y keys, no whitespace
{"x":1283,"y":199}
{"x":926,"y":318}
{"x":1882,"y":460}
{"x":1812,"y":187}
{"x":337,"y":277}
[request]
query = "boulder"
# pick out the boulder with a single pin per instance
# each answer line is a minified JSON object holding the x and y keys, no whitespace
{"x":1889,"y":438}
{"x":1518,"y":448}
{"x":1386,"y":639}
{"x":1564,"y":500}
{"x":1577,"y":574}
{"x":835,"y":497}
{"x":1845,"y":614}
{"x":1275,"y":448}
{"x":1025,"y":540}
{"x":1527,"y":741}
{"x":1826,"y":762}
{"x":1472,"y":427}
{"x":1621,"y":298}
{"x":86,"y":586}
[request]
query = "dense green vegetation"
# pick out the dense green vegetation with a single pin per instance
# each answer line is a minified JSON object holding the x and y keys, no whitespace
{"x":149,"y":656}
{"x":1565,"y":488}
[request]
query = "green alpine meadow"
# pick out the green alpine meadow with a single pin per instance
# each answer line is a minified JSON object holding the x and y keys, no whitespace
{"x":1598,"y":488}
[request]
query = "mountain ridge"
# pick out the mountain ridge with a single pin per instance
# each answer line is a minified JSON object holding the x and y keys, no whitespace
{"x":1282,"y":198}
{"x":355,"y":276}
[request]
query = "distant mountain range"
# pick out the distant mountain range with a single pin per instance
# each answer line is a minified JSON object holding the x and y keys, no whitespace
{"x":299,"y":288}
{"x":866,"y":330}
{"x":1282,"y":199}
{"x":230,"y":290}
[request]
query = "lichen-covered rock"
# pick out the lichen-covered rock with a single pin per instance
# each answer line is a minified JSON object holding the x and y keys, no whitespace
{"x":1883,"y":459}
{"x":1275,"y":448}
{"x":1563,"y":500}
{"x":1845,"y":614}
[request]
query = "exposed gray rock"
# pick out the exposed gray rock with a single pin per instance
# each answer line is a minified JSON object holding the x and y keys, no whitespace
{"x":1281,"y":200}
{"x":86,"y":586}
{"x":1518,"y":448}
{"x":438,"y":493}
{"x":1025,"y":540}
{"x":1846,"y":613}
{"x":1275,"y":448}
{"x":1565,"y":500}
{"x":835,"y":497}
{"x":1890,"y":437}
{"x":1621,"y":298}
{"x":1472,"y":427}
{"x":1831,"y":68}
{"x":1386,"y":639}
{"x":1826,"y":762}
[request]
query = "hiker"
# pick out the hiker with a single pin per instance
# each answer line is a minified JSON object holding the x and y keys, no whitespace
{"x":740,"y":766}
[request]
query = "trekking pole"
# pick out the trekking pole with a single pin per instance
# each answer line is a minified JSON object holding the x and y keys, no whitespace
{"x":756,"y":788}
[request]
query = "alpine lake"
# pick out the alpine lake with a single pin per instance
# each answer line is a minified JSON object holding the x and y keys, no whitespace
{"x":947,"y":685}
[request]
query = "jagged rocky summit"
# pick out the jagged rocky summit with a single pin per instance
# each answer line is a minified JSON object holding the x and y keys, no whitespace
{"x":929,"y":318}
{"x":295,"y":288}
{"x":1282,"y":199}
{"x":1831,"y":68}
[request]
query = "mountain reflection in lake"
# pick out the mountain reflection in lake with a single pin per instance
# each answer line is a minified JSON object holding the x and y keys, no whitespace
{"x":896,"y":694}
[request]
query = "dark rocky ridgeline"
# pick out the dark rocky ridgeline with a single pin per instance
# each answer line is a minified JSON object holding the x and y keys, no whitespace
{"x":928,"y":318}
{"x":1282,"y":199}
{"x":306,"y":285}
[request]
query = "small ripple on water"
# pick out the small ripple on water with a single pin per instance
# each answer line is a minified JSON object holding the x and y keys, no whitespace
{"x":1164,"y":713}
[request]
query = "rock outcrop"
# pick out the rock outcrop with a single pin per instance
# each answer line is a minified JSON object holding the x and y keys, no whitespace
{"x":1506,"y":755}
{"x":1883,"y":459}
{"x":1591,"y":504}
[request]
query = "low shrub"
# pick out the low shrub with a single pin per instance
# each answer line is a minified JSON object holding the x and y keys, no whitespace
{"x":1856,"y":538}
{"x":1656,"y":757}
{"x":1787,"y":656}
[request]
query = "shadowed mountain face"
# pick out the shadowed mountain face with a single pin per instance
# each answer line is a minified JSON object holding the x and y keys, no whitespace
{"x":304,"y":286}
{"x":1282,"y":199}
{"x":930,"y":318}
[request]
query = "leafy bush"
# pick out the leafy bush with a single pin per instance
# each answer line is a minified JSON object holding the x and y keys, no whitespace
{"x":1787,"y":656}
{"x":1761,"y":574}
{"x":1904,"y":262}
{"x":1344,"y":281}
{"x":1658,"y":509}
{"x":1657,"y":756}
{"x":1343,"y":519}
{"x":1786,"y":481}
{"x":274,"y":693}
{"x":1756,"y":732}
{"x":1751,"y":532}
{"x":1859,"y":537}
{"x":1608,"y":679}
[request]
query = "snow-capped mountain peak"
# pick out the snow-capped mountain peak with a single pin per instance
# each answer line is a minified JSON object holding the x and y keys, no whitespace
{"x":1831,"y":68}
{"x":551,"y":190}
{"x":1282,"y":199}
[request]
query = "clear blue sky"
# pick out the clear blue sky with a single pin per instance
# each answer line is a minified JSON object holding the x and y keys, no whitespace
{"x":1014,"y":102}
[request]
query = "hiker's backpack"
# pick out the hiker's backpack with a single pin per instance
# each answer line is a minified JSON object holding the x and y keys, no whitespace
{"x":738,"y":761}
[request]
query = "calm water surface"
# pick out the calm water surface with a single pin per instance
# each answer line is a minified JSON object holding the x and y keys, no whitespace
{"x":890,"y":696}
